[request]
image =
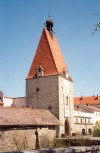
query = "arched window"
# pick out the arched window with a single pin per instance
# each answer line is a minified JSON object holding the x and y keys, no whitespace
{"x":40,"y":69}
{"x":83,"y":131}
{"x":67,"y":127}
{"x":90,"y":131}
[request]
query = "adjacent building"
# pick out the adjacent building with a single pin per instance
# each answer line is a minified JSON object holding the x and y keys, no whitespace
{"x":25,"y":128}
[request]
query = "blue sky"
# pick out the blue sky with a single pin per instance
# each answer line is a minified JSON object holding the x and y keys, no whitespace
{"x":21,"y":24}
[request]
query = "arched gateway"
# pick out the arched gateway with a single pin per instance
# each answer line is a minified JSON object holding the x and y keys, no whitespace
{"x":66,"y":127}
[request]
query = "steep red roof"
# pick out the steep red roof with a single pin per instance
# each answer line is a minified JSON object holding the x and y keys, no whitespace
{"x":89,"y":100}
{"x":48,"y":56}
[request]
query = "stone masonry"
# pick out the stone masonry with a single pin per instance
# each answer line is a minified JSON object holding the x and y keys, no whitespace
{"x":50,"y":93}
{"x":49,"y":84}
{"x":25,"y":139}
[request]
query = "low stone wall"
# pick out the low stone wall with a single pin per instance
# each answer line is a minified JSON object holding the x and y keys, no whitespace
{"x":25,"y":139}
{"x":74,"y":141}
{"x":92,"y":149}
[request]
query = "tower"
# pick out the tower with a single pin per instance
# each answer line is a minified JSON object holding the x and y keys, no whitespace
{"x":49,"y":84}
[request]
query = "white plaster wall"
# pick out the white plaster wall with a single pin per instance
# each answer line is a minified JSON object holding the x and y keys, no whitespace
{"x":8,"y":102}
{"x":78,"y":127}
{"x":82,"y":114}
{"x":95,"y":117}
{"x":66,"y":110}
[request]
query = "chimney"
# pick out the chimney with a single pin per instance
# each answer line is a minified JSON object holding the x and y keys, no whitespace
{"x":96,"y":98}
{"x":81,"y":97}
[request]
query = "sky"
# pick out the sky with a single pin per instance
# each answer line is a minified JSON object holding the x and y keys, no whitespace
{"x":21,"y":24}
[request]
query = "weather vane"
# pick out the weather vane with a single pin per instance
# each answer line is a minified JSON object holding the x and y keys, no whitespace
{"x":49,"y":23}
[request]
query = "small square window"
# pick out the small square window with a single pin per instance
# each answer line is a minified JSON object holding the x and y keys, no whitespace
{"x":76,"y":120}
{"x":67,"y":100}
{"x":88,"y":120}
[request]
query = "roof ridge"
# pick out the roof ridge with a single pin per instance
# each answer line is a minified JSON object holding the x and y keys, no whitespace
{"x":50,"y":48}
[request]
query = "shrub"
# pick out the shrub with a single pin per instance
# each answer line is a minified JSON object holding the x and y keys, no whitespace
{"x":96,"y":129}
{"x":20,"y":141}
{"x":45,"y":141}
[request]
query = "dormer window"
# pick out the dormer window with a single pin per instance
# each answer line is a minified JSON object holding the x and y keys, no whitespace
{"x":39,"y":71}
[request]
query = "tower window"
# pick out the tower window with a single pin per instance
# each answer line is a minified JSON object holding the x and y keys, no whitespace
{"x":76,"y":120}
{"x":40,"y":71}
{"x":66,"y":100}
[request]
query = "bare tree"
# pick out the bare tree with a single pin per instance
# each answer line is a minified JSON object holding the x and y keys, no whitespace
{"x":97,"y":25}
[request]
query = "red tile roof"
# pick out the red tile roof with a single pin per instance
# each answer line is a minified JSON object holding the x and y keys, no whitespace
{"x":94,"y":108}
{"x":89,"y":100}
{"x":83,"y":108}
{"x":48,"y":56}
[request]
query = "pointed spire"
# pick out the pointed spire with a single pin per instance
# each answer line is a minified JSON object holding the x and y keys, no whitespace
{"x":48,"y":56}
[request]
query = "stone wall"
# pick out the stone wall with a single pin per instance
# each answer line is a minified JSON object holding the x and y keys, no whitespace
{"x":42,"y":92}
{"x":25,"y":139}
{"x":92,"y":149}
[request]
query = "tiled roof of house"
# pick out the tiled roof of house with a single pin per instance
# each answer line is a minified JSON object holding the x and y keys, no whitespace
{"x":83,"y":108}
{"x":89,"y":100}
{"x":94,"y":108}
{"x":12,"y":116}
{"x":49,"y":57}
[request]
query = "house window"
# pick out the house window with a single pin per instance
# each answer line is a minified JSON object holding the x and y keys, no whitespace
{"x":76,"y":120}
{"x":85,"y":120}
{"x":88,"y":120}
{"x":67,"y":100}
{"x":83,"y":131}
{"x":81,"y":120}
{"x":89,"y":131}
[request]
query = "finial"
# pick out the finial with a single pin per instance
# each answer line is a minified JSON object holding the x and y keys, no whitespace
{"x":49,"y":24}
{"x":49,"y":15}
